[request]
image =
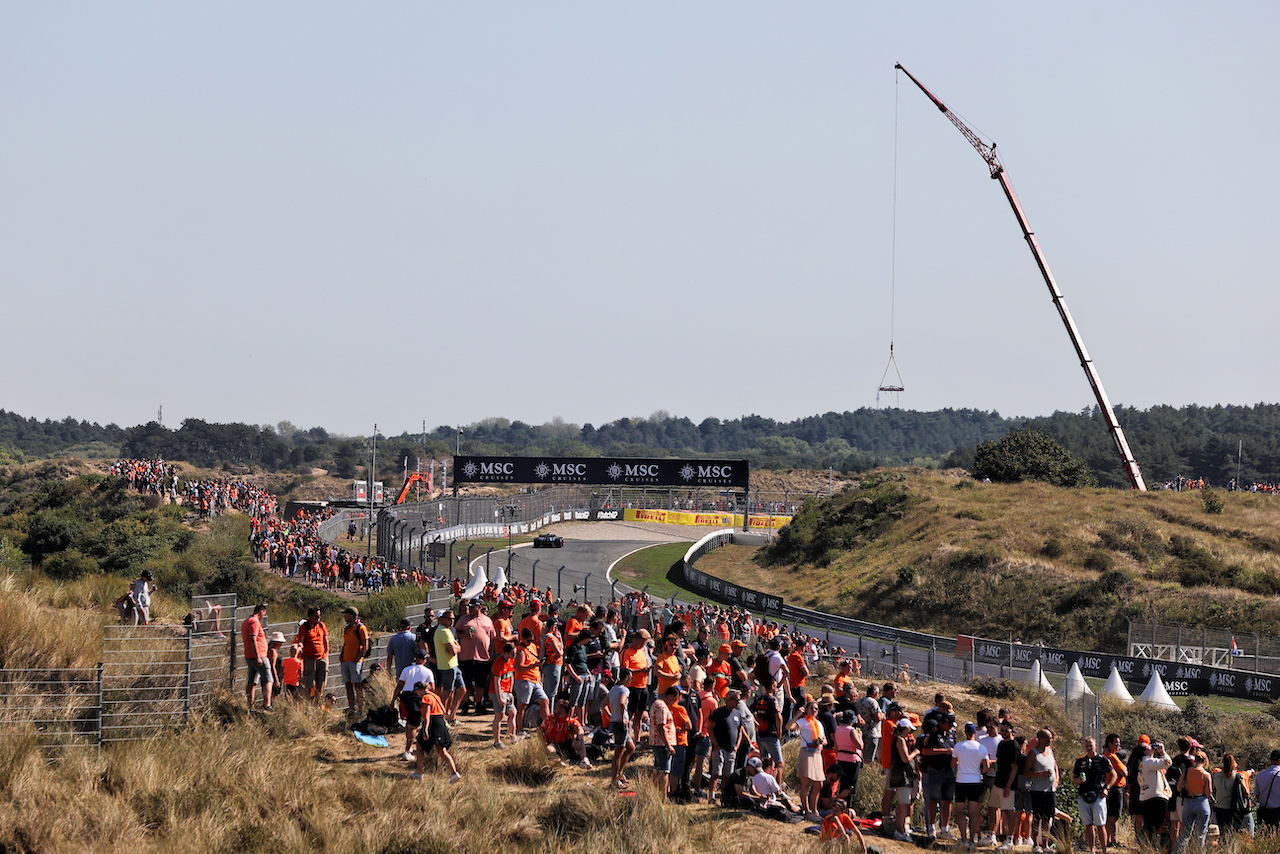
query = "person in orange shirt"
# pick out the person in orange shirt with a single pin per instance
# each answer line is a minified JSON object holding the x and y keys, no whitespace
{"x":313,"y":637}
{"x":506,"y":632}
{"x":552,"y":661}
{"x":840,"y":827}
{"x":636,"y":659}
{"x":527,"y":687}
{"x":434,"y":731}
{"x":291,"y":671}
{"x":563,"y":735}
{"x":667,"y":665}
{"x":680,"y":755}
{"x":721,"y":670}
{"x":501,"y":693}
{"x":533,"y":621}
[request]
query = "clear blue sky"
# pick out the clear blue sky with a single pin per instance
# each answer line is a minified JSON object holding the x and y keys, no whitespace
{"x":338,"y":214}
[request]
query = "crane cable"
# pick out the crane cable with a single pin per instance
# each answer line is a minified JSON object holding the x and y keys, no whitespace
{"x":893,"y":263}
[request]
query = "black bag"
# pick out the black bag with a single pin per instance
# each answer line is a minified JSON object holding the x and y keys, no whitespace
{"x":1240,"y":803}
{"x":1090,"y":796}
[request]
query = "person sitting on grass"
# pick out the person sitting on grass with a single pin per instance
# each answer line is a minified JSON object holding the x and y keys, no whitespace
{"x":434,"y":731}
{"x":839,"y":827}
{"x":563,"y":735}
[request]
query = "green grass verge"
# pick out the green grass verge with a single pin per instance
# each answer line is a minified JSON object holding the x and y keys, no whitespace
{"x":652,"y":566}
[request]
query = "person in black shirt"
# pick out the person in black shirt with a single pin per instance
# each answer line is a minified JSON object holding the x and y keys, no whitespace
{"x":1004,"y":790}
{"x":1094,"y":776}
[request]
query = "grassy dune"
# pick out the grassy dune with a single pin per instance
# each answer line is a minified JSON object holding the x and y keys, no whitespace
{"x":938,"y":552}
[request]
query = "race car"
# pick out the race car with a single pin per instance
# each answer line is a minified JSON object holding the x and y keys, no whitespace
{"x":548,"y":541}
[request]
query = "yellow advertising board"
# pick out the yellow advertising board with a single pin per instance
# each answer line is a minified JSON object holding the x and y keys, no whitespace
{"x":710,"y":520}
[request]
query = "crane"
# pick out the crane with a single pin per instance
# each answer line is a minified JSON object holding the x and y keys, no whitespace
{"x":988,"y":154}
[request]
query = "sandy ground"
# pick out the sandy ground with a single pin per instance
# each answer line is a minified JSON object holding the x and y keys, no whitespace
{"x":648,"y":532}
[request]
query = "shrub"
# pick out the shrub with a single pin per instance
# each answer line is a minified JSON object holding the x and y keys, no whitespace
{"x":973,"y":559}
{"x":1030,"y":455}
{"x":996,"y":689}
{"x":1099,"y":560}
{"x":1211,"y":501}
{"x":528,"y":765}
{"x":1052,"y":548}
{"x":69,"y":565}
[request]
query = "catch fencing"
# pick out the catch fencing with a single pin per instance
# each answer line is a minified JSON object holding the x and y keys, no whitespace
{"x":1198,"y":645}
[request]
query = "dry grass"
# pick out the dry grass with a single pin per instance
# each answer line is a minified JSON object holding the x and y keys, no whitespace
{"x":1059,"y":565}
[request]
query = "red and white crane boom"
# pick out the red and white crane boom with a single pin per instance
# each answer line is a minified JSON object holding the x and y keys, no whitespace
{"x":988,"y":154}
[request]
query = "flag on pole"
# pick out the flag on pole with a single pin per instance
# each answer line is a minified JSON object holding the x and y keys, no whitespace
{"x":1235,"y":650}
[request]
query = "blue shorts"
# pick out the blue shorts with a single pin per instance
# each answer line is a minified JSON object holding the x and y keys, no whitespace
{"x":528,"y":692}
{"x":702,"y":745}
{"x":352,"y":672}
{"x":661,"y":759}
{"x":450,"y":680}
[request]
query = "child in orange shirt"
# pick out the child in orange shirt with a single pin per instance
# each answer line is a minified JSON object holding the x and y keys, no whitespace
{"x":434,"y":731}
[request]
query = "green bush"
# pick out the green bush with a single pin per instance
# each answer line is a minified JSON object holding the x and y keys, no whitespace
{"x":1053,"y":548}
{"x":68,"y":565}
{"x":1030,"y":455}
{"x":1211,"y":501}
{"x":1099,"y":560}
{"x":996,"y":689}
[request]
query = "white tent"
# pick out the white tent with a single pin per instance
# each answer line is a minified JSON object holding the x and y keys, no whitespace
{"x":1115,"y":688}
{"x":1156,"y":695}
{"x":475,"y":586}
{"x":500,"y":579}
{"x":1037,"y":678}
{"x":1075,"y":687}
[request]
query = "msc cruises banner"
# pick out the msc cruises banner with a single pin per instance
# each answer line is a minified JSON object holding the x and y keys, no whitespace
{"x":732,"y":594}
{"x":602,"y":471}
{"x":1180,"y":679}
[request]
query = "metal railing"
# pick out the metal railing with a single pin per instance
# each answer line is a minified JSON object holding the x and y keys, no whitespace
{"x":1182,"y":644}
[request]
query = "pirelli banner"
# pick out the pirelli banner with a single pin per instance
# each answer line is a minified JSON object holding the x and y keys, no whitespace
{"x":686,"y":517}
{"x":602,"y":471}
{"x":1180,"y":680}
{"x":731,"y":594}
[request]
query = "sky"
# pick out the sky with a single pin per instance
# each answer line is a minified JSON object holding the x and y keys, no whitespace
{"x":347,"y":214}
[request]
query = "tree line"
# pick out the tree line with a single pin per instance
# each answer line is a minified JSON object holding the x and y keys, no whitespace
{"x":1217,"y":443}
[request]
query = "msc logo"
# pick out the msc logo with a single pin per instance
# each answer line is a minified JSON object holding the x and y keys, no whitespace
{"x":1054,"y":658}
{"x":990,"y":650}
{"x":641,"y":470}
{"x":577,"y":469}
{"x":715,"y":471}
{"x":1222,"y":680}
{"x":1091,"y":662}
{"x":492,"y":469}
{"x":1178,"y":686}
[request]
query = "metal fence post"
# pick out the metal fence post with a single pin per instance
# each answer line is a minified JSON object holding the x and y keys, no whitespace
{"x":186,"y":704}
{"x":559,"y":587}
{"x":100,"y":705}
{"x":533,"y":575}
{"x":933,"y":655}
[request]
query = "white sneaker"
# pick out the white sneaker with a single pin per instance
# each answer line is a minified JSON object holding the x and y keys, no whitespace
{"x":407,"y":756}
{"x":456,"y":777}
{"x":931,"y":832}
{"x":989,"y":839}
{"x":1007,"y":845}
{"x":585,"y":763}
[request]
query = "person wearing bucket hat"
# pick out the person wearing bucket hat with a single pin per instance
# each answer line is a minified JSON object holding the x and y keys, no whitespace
{"x":275,"y":641}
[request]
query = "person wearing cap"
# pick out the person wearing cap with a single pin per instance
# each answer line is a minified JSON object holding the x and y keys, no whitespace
{"x":448,"y":675}
{"x":969,"y":763}
{"x":355,"y":647}
{"x":313,"y":639}
{"x":434,"y":732}
{"x":275,"y":642}
{"x":939,"y":776}
{"x":479,"y":639}
{"x":902,"y":774}
{"x":562,"y":734}
{"x":139,"y":595}
{"x":1094,"y":777}
{"x":888,"y":730}
{"x":721,"y":670}
{"x":255,"y":656}
{"x":727,"y":736}
{"x":840,"y":826}
{"x":797,"y":673}
{"x":410,"y":678}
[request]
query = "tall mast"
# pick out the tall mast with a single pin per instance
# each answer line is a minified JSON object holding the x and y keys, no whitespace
{"x":988,"y":154}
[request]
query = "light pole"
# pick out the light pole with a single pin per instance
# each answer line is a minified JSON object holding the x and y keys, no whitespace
{"x":509,"y":512}
{"x":457,"y":501}
{"x":373,"y":465}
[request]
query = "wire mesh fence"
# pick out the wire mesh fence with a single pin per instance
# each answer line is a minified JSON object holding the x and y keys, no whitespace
{"x":61,"y":706}
{"x":146,"y":681}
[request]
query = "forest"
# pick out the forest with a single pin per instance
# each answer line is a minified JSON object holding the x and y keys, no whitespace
{"x":1218,"y":443}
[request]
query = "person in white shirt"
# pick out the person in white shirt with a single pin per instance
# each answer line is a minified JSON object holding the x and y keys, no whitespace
{"x":970,"y":761}
{"x":410,"y":704}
